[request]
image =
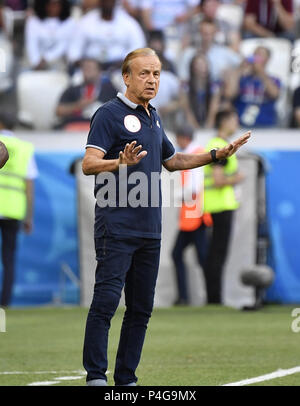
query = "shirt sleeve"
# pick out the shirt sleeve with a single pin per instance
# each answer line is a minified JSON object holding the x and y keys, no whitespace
{"x":101,"y":135}
{"x":168,"y":150}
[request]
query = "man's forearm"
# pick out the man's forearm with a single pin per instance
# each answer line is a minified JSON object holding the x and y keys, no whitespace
{"x":3,"y":154}
{"x":93,"y":166}
{"x":29,"y":199}
{"x":182,"y":161}
{"x":286,"y":19}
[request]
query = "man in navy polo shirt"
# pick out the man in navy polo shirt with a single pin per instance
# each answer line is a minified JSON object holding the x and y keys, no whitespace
{"x":126,"y":149}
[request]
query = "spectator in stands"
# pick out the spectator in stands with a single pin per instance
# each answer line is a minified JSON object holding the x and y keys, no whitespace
{"x":253,"y":91}
{"x":156,"y":41}
{"x":269,"y":18}
{"x":227,"y":32}
{"x":108,"y":34}
{"x":167,"y":101}
{"x":201,"y":101}
{"x":159,"y":14}
{"x":132,"y":7}
{"x":48,"y":33}
{"x":219,"y":57}
{"x":7,"y":65}
{"x":78,"y":103}
{"x":2,"y":27}
{"x":296,"y":109}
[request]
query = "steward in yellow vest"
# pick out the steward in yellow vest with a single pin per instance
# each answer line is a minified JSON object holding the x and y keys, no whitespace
{"x":16,"y":180}
{"x":220,"y":177}
{"x":13,"y":199}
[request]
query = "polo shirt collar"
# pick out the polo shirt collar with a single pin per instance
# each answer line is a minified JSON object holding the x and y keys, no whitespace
{"x":129,"y":103}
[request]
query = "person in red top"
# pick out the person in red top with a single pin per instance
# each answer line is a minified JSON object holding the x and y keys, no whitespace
{"x":192,"y":221}
{"x":269,"y":18}
{"x":78,"y":103}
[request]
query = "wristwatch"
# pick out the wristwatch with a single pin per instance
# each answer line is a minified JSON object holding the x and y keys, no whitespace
{"x":213,"y":153}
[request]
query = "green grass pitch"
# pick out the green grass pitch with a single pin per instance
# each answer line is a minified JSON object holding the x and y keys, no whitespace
{"x":193,"y":346}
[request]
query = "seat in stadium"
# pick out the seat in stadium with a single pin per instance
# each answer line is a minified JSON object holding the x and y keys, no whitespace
{"x":278,"y":66}
{"x":38,"y":93}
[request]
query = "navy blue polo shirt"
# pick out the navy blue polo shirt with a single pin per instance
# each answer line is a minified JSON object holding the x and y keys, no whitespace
{"x":115,"y":124}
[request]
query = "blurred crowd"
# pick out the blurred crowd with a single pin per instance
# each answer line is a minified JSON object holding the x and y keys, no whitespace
{"x":216,"y":54}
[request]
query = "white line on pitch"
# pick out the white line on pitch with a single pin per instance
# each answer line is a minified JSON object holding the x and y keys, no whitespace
{"x":56,"y":380}
{"x":273,"y":375}
{"x":40,"y":372}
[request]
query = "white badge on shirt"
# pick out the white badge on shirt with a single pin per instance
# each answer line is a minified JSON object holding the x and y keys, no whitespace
{"x":132,"y":123}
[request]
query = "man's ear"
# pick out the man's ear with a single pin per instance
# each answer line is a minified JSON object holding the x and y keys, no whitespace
{"x":126,"y":77}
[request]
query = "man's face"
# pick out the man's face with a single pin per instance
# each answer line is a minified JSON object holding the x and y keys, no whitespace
{"x":232,"y":123}
{"x":53,"y":8}
{"x":90,"y":70}
{"x":143,"y":79}
{"x":261,"y":56}
{"x":107,"y":5}
{"x":207,"y":32}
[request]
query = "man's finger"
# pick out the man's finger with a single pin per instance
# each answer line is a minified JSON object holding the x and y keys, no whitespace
{"x":131,"y":146}
{"x":137,"y":149}
{"x":244,"y":138}
{"x":141,"y":155}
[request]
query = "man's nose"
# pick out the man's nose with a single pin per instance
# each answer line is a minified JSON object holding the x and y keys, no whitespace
{"x":151,"y":78}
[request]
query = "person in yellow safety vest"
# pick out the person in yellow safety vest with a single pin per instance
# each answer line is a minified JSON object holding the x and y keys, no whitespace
{"x":3,"y":154}
{"x":192,"y":221}
{"x":220,"y":179}
{"x":16,"y":199}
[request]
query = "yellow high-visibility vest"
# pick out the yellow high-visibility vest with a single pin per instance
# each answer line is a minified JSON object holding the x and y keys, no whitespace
{"x":218,"y":199}
{"x":13,"y":202}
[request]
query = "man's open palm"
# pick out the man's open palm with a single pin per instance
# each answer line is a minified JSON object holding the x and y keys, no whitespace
{"x":132,"y":154}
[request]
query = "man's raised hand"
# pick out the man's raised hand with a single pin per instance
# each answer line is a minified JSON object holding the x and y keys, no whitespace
{"x":132,"y":154}
{"x":231,"y":148}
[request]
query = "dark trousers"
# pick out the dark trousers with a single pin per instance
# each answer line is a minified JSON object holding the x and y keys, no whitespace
{"x":9,"y":231}
{"x":132,"y":262}
{"x":183,"y":240}
{"x":217,"y":253}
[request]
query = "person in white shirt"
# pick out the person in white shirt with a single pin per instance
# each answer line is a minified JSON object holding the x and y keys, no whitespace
{"x":48,"y":33}
{"x":107,"y":34}
{"x":220,"y":57}
{"x":159,"y":14}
